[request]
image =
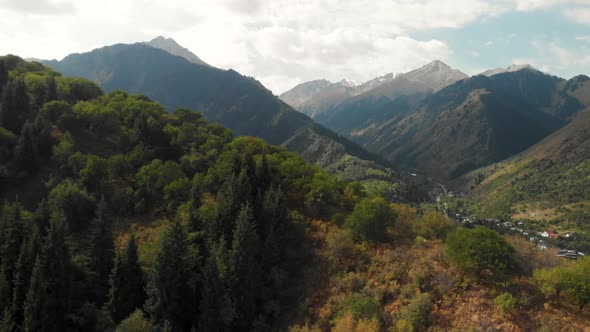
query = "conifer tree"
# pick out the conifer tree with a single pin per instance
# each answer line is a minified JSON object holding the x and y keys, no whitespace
{"x":25,"y":151}
{"x":23,"y":271}
{"x":35,"y":301}
{"x":55,"y":276}
{"x":127,"y":283}
{"x":216,"y":309}
{"x":244,"y":268}
{"x":5,"y":290}
{"x":11,"y":238}
{"x":51,"y":93}
{"x":6,"y":321}
{"x":170,"y":293}
{"x":3,"y":75}
{"x":102,"y":252}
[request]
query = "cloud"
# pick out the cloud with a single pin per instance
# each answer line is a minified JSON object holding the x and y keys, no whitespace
{"x":532,"y":5}
{"x":41,"y":7}
{"x":584,"y":38}
{"x":580,"y":15}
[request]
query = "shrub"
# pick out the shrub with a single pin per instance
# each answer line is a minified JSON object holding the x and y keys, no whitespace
{"x":417,"y":314}
{"x":369,"y":219}
{"x":74,"y":202}
{"x":506,"y":302}
{"x":434,"y":225}
{"x":362,"y":307}
{"x":339,"y":244}
{"x":474,"y":251}
{"x":136,"y":322}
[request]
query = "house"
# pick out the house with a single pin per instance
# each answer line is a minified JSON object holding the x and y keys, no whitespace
{"x":549,"y":234}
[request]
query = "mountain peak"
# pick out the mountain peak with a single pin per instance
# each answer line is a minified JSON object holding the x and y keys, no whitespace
{"x":436,"y":75}
{"x":510,"y":69}
{"x":171,"y":46}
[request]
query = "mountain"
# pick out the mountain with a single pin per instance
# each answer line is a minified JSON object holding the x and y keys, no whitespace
{"x":171,"y":46}
{"x":552,"y":173}
{"x":436,"y":75}
{"x":223,"y":96}
{"x":318,"y":97}
{"x":475,"y":122}
{"x":509,"y":69}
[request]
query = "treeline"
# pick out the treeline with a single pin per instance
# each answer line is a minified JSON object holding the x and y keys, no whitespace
{"x":87,"y":162}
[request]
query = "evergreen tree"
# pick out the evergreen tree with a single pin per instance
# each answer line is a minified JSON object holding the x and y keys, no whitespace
{"x":6,"y":321}
{"x":36,"y":298}
{"x":216,"y":309}
{"x":5,"y":290}
{"x":41,"y":217}
{"x":127,"y":283}
{"x":102,"y":252}
{"x":55,"y":276}
{"x":23,"y":271}
{"x":244,"y":268}
{"x":3,"y":75}
{"x":51,"y":93}
{"x":25,"y":151}
{"x":228,"y":207}
{"x":11,"y":238}
{"x":14,"y":105}
{"x":170,"y":293}
{"x":244,"y":188}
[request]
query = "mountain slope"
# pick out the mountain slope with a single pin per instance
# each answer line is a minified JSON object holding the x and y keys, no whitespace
{"x":552,"y":173}
{"x":476,"y":122}
{"x":226,"y":97}
{"x":171,"y":46}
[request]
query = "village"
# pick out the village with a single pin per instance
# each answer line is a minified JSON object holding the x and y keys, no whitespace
{"x":545,"y":239}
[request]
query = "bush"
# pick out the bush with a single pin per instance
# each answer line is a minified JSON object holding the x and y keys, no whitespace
{"x":339,"y":244}
{"x":74,"y":202}
{"x":417,"y":314}
{"x":474,"y":251}
{"x":362,"y":307}
{"x":369,"y":219}
{"x":506,"y":302}
{"x":136,"y":322}
{"x":434,"y":225}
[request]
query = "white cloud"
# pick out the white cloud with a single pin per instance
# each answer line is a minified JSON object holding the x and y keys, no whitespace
{"x":580,"y":15}
{"x":275,"y":41}
{"x":584,"y":38}
{"x":531,"y":5}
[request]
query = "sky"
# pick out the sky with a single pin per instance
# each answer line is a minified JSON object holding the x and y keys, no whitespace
{"x":286,"y":42}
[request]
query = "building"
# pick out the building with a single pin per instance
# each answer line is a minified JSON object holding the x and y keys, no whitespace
{"x":549,"y":234}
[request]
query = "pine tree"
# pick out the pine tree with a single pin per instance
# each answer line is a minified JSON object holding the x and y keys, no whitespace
{"x":41,"y":217}
{"x":55,"y":275}
{"x":216,"y":309}
{"x":36,"y":298}
{"x":14,"y":105}
{"x":51,"y":93}
{"x":102,"y":252}
{"x":228,"y":207}
{"x":6,"y":321}
{"x":244,"y":268}
{"x":244,"y":188}
{"x":5,"y":290}
{"x":22,"y":279}
{"x":3,"y":75}
{"x":170,"y":293}
{"x":25,"y":151}
{"x":127,"y":284}
{"x":11,"y":238}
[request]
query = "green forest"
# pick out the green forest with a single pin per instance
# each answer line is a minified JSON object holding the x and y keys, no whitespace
{"x":117,"y":215}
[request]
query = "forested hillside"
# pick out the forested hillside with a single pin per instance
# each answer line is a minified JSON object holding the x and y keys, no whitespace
{"x":107,"y":195}
{"x":226,"y":97}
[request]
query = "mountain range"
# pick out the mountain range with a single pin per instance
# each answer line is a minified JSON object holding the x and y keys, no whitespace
{"x":442,"y":123}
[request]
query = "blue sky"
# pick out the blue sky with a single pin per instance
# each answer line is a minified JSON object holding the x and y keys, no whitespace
{"x":286,"y":42}
{"x":545,"y":38}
